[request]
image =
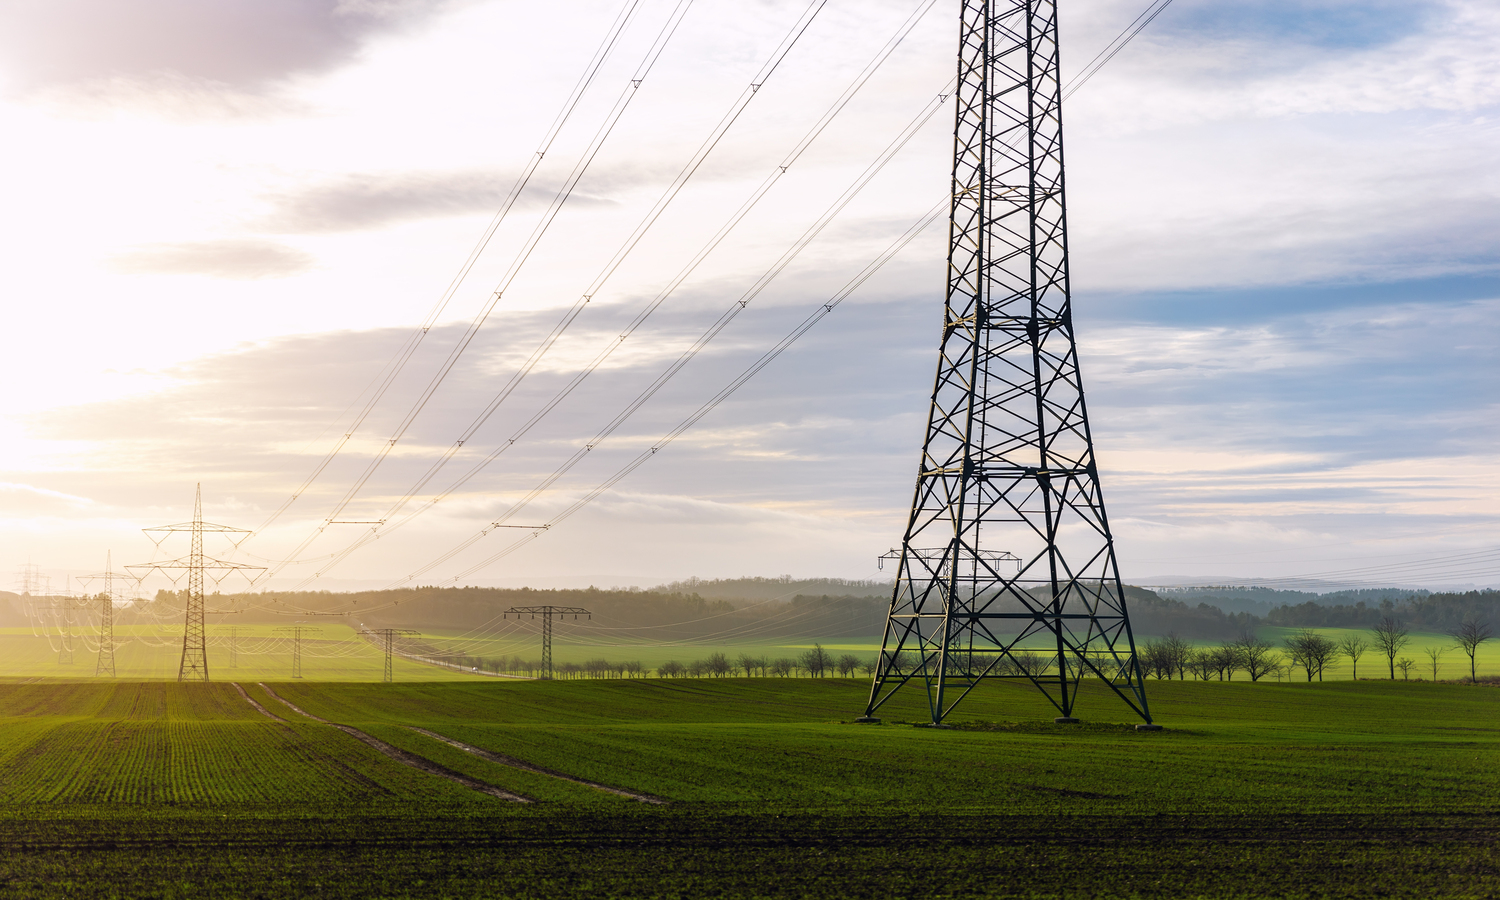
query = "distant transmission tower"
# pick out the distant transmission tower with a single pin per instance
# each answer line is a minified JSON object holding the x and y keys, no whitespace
{"x":388,"y":637}
{"x":1007,"y":467}
{"x":194,"y":665}
{"x":106,"y":601}
{"x":547,"y":612}
{"x":30,"y":580}
{"x":296,"y":631}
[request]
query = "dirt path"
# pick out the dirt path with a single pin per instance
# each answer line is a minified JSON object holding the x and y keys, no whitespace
{"x":396,"y":753}
{"x":515,"y":763}
{"x":260,"y":709}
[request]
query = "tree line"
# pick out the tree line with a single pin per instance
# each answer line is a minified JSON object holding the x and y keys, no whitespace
{"x":1307,"y":650}
{"x":815,"y":663}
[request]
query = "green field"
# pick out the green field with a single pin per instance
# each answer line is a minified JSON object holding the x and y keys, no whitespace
{"x":1346,"y":789}
{"x":260,"y":653}
{"x":336,"y":652}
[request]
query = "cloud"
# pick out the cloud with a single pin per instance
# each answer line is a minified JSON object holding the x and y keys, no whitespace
{"x":246,"y":44}
{"x":237,"y":259}
{"x":23,"y":500}
{"x":362,"y":201}
{"x":1326,"y":24}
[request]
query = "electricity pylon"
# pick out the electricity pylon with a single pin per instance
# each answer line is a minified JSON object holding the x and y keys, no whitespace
{"x":30,"y":580}
{"x":194,"y":665}
{"x":296,"y":631}
{"x":106,"y":600}
{"x":547,"y":612}
{"x":1007,"y":467}
{"x":389,"y":635}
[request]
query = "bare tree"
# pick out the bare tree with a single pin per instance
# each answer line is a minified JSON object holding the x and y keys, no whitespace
{"x":1470,"y":635}
{"x":1255,"y":655}
{"x":1390,"y":637}
{"x":902,"y":662}
{"x":1435,"y":654}
{"x":1156,"y":659}
{"x":869,"y":665}
{"x":847,"y":664}
{"x":1353,"y":646}
{"x":782,"y":667}
{"x":671,"y":669}
{"x":1404,"y":664}
{"x":817,"y":661}
{"x":1201,"y":664}
{"x":1225,"y":660}
{"x":1032,"y":664}
{"x":1179,"y":652}
{"x":1311,"y":651}
{"x":718,"y":665}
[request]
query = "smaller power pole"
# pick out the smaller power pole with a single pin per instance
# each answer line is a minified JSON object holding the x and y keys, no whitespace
{"x":296,"y":631}
{"x":388,"y":637}
{"x":547,"y":613}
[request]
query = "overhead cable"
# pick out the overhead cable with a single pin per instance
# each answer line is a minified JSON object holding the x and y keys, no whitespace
{"x":641,"y":317}
{"x":383,"y":380}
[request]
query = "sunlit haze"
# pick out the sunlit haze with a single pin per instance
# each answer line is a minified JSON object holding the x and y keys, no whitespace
{"x":222,"y":221}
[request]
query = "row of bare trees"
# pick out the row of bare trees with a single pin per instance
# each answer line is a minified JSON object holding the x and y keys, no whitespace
{"x":815,"y":663}
{"x":1169,"y":657}
{"x":1306,"y":649}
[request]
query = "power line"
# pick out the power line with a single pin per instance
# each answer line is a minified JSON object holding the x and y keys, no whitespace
{"x":724,"y":393}
{"x":393,"y":368}
{"x":603,"y":355}
{"x":1115,"y":46}
{"x":517,"y":263}
{"x":733,"y":311}
{"x":1109,"y":53}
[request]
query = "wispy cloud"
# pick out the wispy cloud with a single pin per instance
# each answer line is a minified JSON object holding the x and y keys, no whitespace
{"x":246,"y":44}
{"x":236,"y":259}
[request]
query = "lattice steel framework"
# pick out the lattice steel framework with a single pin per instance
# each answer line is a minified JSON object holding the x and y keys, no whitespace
{"x":388,"y":638}
{"x":194,"y":664}
{"x":547,"y":613}
{"x":1007,"y":547}
{"x":105,"y":666}
{"x":296,"y":631}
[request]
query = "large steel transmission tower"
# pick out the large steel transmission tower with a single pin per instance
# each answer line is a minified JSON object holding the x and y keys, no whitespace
{"x":1007,"y":567}
{"x":194,"y":665}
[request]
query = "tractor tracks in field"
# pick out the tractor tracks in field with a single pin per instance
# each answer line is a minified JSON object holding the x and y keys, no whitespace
{"x":390,"y":751}
{"x":255,"y":703}
{"x":523,"y":765}
{"x":411,"y":759}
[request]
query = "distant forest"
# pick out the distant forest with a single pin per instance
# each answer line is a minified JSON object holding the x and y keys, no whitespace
{"x":754,"y":608}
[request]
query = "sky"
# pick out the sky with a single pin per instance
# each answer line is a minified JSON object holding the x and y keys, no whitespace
{"x":224,"y":220}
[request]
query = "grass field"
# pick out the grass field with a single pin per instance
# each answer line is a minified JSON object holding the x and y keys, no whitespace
{"x":336,"y":652}
{"x":1341,"y":789}
{"x":259,"y":653}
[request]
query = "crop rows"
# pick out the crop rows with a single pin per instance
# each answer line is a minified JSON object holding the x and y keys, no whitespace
{"x":174,"y":762}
